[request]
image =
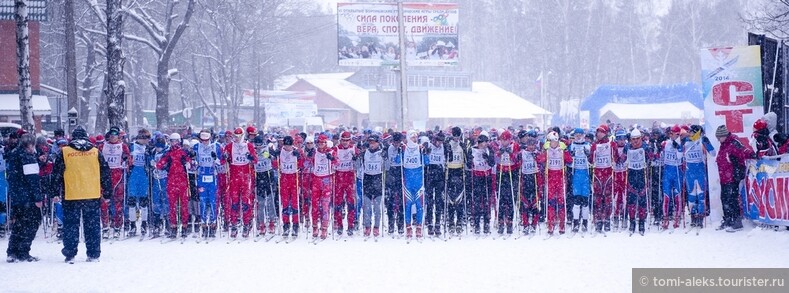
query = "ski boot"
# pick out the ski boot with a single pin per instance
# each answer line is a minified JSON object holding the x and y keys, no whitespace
{"x":509,"y":228}
{"x":338,"y":232}
{"x":641,"y":227}
{"x":245,"y":232}
{"x":2,"y":231}
{"x":295,"y":232}
{"x":262,"y":230}
{"x":437,"y":230}
{"x":185,"y":232}
{"x":59,"y":232}
{"x":376,"y":232}
{"x":116,"y":233}
{"x":632,"y":227}
{"x":616,"y":224}
{"x":584,"y":226}
{"x":459,"y":230}
{"x":173,"y":233}
{"x":212,"y":231}
{"x":203,"y":231}
{"x":501,"y":229}
{"x":408,"y":232}
{"x":132,"y":230}
{"x":272,"y":228}
{"x":285,"y":228}
{"x":350,"y":231}
{"x":430,"y":231}
{"x":366,"y":232}
{"x":575,"y":226}
{"x":391,"y":230}
{"x":143,"y":228}
{"x":486,"y":228}
{"x":400,"y":231}
{"x":233,"y":231}
{"x":314,"y":231}
{"x":607,"y":226}
{"x":105,"y":233}
{"x":419,"y":231}
{"x":323,"y":233}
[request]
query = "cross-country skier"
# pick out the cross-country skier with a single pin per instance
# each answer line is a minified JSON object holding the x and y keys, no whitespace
{"x":413,"y":183}
{"x":194,"y":195}
{"x":531,"y":184}
{"x":208,"y":156}
{"x":266,"y":214}
{"x":394,"y":184}
{"x":137,"y":199}
{"x":636,"y":155}
{"x":696,"y":148}
{"x":555,"y":159}
{"x":174,"y":162}
{"x":3,"y":193}
{"x":241,"y":156}
{"x":620,"y":179}
{"x":603,"y":155}
{"x":672,"y":178}
{"x":455,"y":155}
{"x":481,"y":160}
{"x":345,"y":181}
{"x":506,"y":168}
{"x":580,"y":151}
{"x":287,"y":162}
{"x":655,"y":174}
{"x":160,"y":206}
{"x":436,"y":183}
{"x":116,"y":153}
{"x":224,"y":182}
{"x":305,"y":180}
{"x":323,"y":159}
{"x":373,"y":167}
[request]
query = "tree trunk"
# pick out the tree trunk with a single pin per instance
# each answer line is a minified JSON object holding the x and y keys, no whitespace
{"x":102,"y":103}
{"x":87,"y":84}
{"x":71,"y":60}
{"x":162,"y":89}
{"x":116,"y":87}
{"x":23,"y":58}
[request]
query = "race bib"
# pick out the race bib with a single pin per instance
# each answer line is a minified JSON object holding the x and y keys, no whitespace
{"x":207,"y":179}
{"x":602,"y":156}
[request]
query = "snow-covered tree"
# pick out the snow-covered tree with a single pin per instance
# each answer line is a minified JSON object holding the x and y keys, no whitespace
{"x":115,"y":89}
{"x":23,"y":69}
{"x":163,"y":35}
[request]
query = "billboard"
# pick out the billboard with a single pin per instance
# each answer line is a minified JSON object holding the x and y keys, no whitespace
{"x":766,"y":191}
{"x":732,"y":85}
{"x":368,"y":34}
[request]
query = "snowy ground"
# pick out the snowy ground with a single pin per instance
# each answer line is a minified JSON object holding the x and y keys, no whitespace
{"x":468,"y":265}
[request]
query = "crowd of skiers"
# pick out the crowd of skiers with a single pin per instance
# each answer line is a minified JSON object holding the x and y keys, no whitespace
{"x":246,"y":183}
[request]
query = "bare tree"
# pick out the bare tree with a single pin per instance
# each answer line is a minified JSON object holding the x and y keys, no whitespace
{"x":162,"y":39}
{"x":771,"y":17}
{"x":23,"y":69}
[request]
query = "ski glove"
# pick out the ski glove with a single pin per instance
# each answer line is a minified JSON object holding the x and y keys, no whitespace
{"x":295,"y":153}
{"x":329,"y":157}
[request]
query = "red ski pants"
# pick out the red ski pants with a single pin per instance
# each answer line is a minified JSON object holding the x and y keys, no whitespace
{"x":344,"y":196}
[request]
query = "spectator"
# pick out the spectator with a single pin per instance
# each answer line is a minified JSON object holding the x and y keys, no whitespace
{"x":731,"y":168}
{"x":88,"y":177}
{"x":25,"y":199}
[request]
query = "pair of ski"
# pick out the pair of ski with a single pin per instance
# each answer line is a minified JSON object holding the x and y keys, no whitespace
{"x":265,"y":238}
{"x":286,"y":239}
{"x":173,"y":239}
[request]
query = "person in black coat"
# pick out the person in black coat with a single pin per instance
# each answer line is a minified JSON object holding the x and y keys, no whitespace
{"x":25,"y":199}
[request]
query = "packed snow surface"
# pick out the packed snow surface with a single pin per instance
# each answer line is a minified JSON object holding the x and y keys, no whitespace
{"x":599,"y":264}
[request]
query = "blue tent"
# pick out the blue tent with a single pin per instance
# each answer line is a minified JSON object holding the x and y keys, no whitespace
{"x":640,"y":94}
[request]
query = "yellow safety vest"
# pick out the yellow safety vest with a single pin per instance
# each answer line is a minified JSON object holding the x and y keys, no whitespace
{"x":82,"y":175}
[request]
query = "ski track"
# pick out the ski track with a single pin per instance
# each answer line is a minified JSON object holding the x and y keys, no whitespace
{"x":602,"y":264}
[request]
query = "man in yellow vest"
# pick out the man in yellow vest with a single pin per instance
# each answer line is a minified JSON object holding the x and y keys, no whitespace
{"x":84,"y":177}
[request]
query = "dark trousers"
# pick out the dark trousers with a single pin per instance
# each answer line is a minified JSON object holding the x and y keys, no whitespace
{"x":656,"y":192}
{"x":508,"y":186}
{"x":435,"y":196}
{"x":88,"y":209}
{"x":730,"y":201}
{"x":394,"y":198}
{"x":25,"y":220}
{"x":481,"y":202}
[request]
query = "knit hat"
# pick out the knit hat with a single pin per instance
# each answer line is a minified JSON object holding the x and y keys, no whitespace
{"x":722,"y":131}
{"x":79,"y":133}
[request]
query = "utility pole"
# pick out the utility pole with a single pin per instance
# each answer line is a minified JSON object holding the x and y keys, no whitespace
{"x":401,"y":120}
{"x":71,"y":60}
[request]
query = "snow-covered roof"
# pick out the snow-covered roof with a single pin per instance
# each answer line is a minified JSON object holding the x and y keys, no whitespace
{"x":356,"y":97}
{"x":485,"y":100}
{"x":679,"y":110}
{"x":285,"y":81}
{"x":9,"y":105}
